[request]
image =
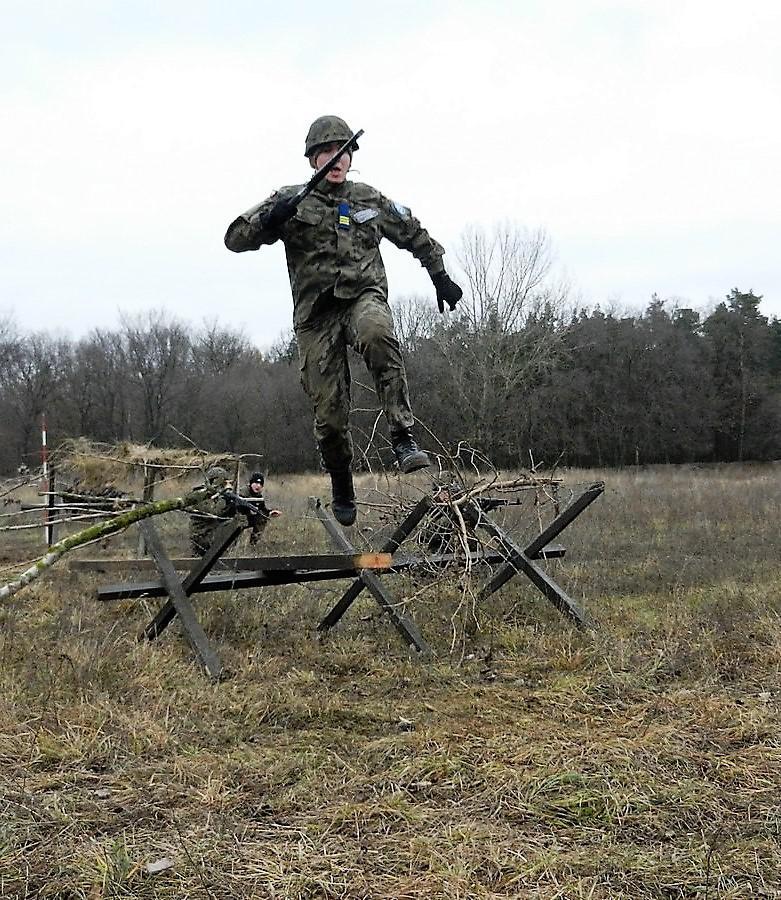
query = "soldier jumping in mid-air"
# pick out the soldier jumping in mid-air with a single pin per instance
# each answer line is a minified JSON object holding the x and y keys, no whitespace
{"x":331,"y":230}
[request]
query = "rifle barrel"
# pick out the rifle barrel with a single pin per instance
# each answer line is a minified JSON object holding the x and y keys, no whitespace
{"x":326,"y":168}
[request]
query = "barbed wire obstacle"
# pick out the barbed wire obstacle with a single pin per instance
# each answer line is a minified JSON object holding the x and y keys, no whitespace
{"x":465,"y":511}
{"x":451,"y":524}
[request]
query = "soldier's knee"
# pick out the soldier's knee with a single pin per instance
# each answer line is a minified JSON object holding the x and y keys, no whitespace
{"x":374,"y":333}
{"x":378,"y":346}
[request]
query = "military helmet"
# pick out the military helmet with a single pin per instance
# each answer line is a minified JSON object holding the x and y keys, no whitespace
{"x":327,"y":130}
{"x":216,"y":473}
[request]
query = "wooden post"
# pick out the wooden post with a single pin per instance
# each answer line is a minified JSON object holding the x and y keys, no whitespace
{"x":150,"y":475}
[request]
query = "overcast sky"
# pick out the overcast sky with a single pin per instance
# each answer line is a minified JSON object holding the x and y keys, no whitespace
{"x":644,"y":137}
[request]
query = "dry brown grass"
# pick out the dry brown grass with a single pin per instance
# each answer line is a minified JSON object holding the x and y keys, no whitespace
{"x":535,"y":761}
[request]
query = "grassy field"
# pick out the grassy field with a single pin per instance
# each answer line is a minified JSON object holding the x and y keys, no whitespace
{"x":526,"y":759}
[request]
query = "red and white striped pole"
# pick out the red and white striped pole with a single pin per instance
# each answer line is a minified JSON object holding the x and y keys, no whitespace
{"x":44,"y":449}
{"x":47,"y":485}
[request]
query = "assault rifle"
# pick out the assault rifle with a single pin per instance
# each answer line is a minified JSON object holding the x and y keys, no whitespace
{"x":239,"y":504}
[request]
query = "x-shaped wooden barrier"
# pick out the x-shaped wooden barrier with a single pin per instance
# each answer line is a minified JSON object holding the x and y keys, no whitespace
{"x":179,"y":591}
{"x":367,"y":579}
{"x":517,"y":560}
{"x":285,"y":570}
{"x":522,"y":559}
{"x":234,"y":574}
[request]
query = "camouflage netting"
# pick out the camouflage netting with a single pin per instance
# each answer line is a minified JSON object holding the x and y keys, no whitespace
{"x":103,"y":469}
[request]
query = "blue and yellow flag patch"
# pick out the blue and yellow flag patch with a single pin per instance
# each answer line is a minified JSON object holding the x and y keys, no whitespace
{"x":344,"y":215}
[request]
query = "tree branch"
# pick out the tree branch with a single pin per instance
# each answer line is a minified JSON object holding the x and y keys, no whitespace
{"x":96,"y":532}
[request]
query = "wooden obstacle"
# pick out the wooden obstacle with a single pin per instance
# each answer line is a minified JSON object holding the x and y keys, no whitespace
{"x":215,"y":572}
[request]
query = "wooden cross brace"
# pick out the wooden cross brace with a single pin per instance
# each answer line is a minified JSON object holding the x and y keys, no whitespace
{"x":367,"y":579}
{"x":178,"y":591}
{"x":522,"y":559}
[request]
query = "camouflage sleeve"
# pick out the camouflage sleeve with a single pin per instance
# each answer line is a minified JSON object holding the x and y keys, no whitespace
{"x":246,"y":232}
{"x":401,"y":228}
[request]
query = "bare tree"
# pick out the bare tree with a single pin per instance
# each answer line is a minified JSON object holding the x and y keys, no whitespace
{"x":157,"y":353}
{"x":31,"y":378}
{"x":510,"y":277}
{"x":506,"y":335}
{"x":415,"y":320}
{"x":217,"y":349}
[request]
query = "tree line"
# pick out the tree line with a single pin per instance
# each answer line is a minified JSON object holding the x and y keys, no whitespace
{"x":518,"y":373}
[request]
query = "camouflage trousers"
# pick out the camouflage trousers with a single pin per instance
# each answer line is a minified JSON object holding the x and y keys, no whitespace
{"x":205,"y":519}
{"x":366,"y":325}
{"x":202,"y":533}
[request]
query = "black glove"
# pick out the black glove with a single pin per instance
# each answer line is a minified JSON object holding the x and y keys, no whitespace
{"x":447,"y":291}
{"x":279,"y":213}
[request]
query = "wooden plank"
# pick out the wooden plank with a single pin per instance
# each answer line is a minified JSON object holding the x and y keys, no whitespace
{"x":191,"y":626}
{"x":225,"y":581}
{"x":318,"y":562}
{"x":222,"y":581}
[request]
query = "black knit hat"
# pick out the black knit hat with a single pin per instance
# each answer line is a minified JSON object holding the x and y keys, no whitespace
{"x":258,"y":477}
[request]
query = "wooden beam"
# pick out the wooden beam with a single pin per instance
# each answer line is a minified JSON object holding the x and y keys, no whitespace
{"x":173,"y":586}
{"x":226,"y":581}
{"x":403,"y":624}
{"x":235,"y":581}
{"x":319,"y":562}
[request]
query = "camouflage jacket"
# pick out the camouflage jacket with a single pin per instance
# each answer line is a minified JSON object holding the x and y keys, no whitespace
{"x":333,"y":242}
{"x":210,"y":512}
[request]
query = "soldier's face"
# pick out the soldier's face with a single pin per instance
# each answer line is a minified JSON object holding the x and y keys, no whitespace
{"x":339,"y":172}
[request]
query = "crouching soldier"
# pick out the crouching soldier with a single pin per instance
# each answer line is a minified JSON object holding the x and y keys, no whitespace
{"x":258,"y":521}
{"x":207,"y":516}
{"x":340,"y":296}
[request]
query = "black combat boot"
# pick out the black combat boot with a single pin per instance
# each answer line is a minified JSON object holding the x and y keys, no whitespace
{"x":343,"y":492}
{"x":408,"y":455}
